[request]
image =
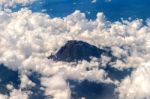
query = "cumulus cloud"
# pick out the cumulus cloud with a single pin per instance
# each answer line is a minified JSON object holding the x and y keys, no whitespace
{"x":11,"y":3}
{"x":15,"y":94}
{"x":18,"y":94}
{"x":138,"y":84}
{"x":25,"y":81}
{"x":28,"y":38}
{"x":3,"y":96}
{"x":57,"y":87}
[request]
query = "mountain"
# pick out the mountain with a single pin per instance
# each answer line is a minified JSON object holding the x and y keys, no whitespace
{"x":75,"y":50}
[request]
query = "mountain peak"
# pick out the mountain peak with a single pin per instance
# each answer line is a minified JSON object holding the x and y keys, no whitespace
{"x":75,"y":50}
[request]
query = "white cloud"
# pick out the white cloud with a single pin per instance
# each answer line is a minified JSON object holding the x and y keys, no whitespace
{"x":25,"y":81}
{"x":138,"y":84}
{"x":93,"y":1}
{"x":18,"y":94}
{"x":57,"y":87}
{"x":10,"y":3}
{"x":3,"y":96}
{"x":28,"y":38}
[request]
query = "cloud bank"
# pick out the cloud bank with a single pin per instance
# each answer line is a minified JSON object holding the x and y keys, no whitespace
{"x":28,"y":38}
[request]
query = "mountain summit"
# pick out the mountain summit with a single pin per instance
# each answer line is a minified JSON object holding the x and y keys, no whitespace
{"x":75,"y":50}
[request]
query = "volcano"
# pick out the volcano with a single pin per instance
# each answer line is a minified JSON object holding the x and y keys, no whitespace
{"x":75,"y":50}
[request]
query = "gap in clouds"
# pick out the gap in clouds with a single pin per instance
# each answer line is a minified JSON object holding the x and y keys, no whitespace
{"x":8,"y":76}
{"x":92,"y":90}
{"x":37,"y":91}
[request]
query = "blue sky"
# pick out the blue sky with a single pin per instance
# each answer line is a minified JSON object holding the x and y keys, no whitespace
{"x":113,"y":10}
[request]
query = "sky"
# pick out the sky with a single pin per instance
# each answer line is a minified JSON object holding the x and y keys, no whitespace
{"x":32,"y":30}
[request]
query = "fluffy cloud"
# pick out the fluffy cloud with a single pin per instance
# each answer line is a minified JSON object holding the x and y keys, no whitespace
{"x":57,"y":87}
{"x":15,"y":94}
{"x":18,"y":94}
{"x":138,"y":84}
{"x":3,"y":96}
{"x":28,"y":38}
{"x":10,"y":3}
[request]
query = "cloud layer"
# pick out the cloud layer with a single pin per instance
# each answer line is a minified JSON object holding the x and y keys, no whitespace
{"x":28,"y":38}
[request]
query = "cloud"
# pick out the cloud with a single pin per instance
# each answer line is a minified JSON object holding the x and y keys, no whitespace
{"x":11,"y":3}
{"x":17,"y":94}
{"x":3,"y":96}
{"x":93,"y":1}
{"x":57,"y":87}
{"x":28,"y":38}
{"x":108,"y":0}
{"x":138,"y":84}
